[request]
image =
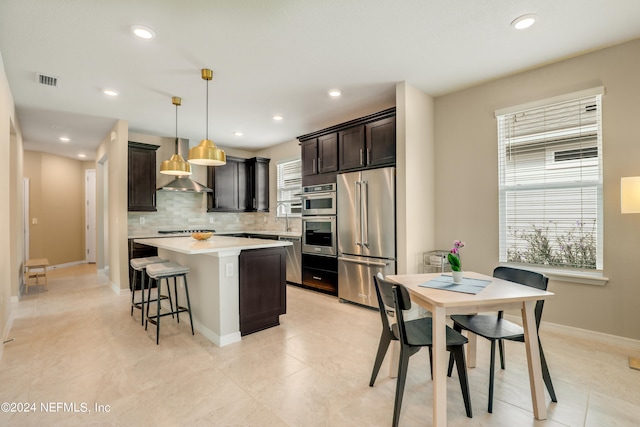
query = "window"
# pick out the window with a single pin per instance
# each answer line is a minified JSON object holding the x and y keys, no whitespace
{"x":550,"y":182}
{"x":289,"y":188}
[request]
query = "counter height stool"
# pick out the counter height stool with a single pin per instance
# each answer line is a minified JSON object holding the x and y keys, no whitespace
{"x":166,"y":271}
{"x":139,"y":265}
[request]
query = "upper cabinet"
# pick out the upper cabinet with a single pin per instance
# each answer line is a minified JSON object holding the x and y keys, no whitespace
{"x":320,"y":155}
{"x":358,"y":144}
{"x":142,"y":177}
{"x":240,"y":185}
{"x":258,"y":184}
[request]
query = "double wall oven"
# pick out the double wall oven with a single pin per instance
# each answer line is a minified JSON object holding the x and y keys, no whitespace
{"x":319,"y":238}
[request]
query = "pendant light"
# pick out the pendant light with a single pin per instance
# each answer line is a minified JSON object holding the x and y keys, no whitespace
{"x":206,"y":153}
{"x":176,"y":164}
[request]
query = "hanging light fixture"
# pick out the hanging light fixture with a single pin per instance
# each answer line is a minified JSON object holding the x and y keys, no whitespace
{"x":206,"y":153}
{"x":176,"y":164}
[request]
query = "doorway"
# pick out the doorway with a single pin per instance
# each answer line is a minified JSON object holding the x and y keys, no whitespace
{"x":90,"y":215}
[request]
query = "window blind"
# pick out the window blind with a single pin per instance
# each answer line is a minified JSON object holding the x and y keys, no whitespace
{"x":289,"y":177}
{"x":550,"y":184}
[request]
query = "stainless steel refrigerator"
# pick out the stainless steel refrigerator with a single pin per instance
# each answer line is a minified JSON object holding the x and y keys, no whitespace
{"x":366,"y":216}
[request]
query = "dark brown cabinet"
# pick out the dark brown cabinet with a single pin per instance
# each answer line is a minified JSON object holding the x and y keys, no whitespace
{"x":141,"y":191}
{"x":320,"y":155}
{"x":380,"y":139}
{"x":263,"y":293}
{"x":372,"y":144}
{"x":362,"y":143}
{"x":240,"y":185}
{"x":351,"y":148}
{"x":138,"y":250}
{"x":258,"y":184}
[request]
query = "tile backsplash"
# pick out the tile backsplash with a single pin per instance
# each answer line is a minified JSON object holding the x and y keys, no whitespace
{"x":184,"y":210}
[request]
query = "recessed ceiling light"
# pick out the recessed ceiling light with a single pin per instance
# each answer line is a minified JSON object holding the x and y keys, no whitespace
{"x":64,"y":139}
{"x":110,"y":92}
{"x":335,"y":93}
{"x":82,"y":155}
{"x":524,"y":21}
{"x":277,"y":117}
{"x":237,"y":133}
{"x":143,"y":32}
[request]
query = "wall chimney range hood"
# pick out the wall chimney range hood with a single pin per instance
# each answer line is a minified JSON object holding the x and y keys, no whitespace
{"x":184,"y":183}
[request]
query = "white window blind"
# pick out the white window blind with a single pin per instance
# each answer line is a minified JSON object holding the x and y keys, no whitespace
{"x":550,"y":184}
{"x":289,"y":188}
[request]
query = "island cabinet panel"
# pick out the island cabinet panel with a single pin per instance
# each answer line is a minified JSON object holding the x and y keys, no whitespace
{"x":141,"y":190}
{"x":262,"y":288}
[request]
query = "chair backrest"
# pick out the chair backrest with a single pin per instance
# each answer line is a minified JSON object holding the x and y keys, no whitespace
{"x":393,"y":296}
{"x":527,"y":278}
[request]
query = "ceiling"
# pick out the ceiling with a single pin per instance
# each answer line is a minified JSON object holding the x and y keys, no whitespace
{"x":269,"y":57}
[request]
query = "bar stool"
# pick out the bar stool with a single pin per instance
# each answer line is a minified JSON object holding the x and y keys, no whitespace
{"x":139,"y":265}
{"x":166,"y":271}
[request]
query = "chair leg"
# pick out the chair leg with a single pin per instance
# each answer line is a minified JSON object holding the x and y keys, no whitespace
{"x":492,"y":370}
{"x":545,"y":374}
{"x":133,"y":291}
{"x":431,"y":362}
{"x":146,"y":323}
{"x":501,"y":348}
{"x":458,"y":353}
{"x":402,"y":377}
{"x":383,"y":346}
{"x":186,"y":291}
{"x":450,"y":369}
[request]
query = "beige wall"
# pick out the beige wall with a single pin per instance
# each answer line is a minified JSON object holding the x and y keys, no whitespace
{"x":415,"y":177}
{"x":112,"y":158}
{"x":467,"y":180}
{"x":11,"y":247}
{"x":56,"y":193}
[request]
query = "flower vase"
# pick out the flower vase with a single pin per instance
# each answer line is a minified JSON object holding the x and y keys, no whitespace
{"x":457,"y":276}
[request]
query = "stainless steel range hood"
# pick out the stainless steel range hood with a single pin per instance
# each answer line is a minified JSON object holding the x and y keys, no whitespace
{"x":184,"y":183}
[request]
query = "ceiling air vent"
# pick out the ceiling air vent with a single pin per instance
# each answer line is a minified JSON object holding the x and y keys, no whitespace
{"x":43,"y":79}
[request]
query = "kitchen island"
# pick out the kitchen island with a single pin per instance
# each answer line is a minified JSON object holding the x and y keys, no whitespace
{"x":228,"y":298}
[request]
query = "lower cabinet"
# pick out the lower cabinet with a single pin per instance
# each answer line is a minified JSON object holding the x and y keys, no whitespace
{"x":263,"y":292}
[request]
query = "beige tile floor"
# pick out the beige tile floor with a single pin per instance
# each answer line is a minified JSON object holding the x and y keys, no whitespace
{"x":77,"y":344}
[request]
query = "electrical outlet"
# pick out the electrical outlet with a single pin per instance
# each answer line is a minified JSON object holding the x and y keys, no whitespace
{"x":34,"y":220}
{"x":237,"y":218}
{"x":264,"y":219}
{"x":142,"y":220}
{"x":211,"y":220}
{"x":228,"y":269}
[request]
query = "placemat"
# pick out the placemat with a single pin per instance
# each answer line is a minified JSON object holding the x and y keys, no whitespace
{"x":445,"y":282}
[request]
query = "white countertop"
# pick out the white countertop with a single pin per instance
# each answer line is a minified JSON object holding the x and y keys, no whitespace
{"x":151,"y":234}
{"x":189,"y":245}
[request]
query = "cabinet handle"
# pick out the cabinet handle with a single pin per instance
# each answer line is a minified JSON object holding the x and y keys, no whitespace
{"x":313,"y":168}
{"x":361,"y":164}
{"x":319,"y":163}
{"x":153,"y":199}
{"x":317,"y":278}
{"x":254,"y":203}
{"x":216,"y":204}
{"x":368,"y":155}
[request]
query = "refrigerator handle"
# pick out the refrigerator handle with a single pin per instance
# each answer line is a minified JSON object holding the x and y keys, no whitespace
{"x":365,"y":213}
{"x":369,"y":263}
{"x":357,"y":190}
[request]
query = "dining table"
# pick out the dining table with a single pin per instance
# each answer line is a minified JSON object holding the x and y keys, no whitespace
{"x":497,"y":294}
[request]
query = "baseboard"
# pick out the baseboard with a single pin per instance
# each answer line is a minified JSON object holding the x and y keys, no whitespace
{"x":599,"y":337}
{"x":66,"y":264}
{"x":116,"y":289}
{"x":5,"y":333}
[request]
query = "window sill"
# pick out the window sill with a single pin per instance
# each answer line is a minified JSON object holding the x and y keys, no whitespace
{"x":581,"y":277}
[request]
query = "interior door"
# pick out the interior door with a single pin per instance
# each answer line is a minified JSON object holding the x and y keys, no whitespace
{"x":90,"y":215}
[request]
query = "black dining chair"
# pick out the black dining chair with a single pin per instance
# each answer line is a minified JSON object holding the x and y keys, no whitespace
{"x":412,"y":335}
{"x":496,"y":328}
